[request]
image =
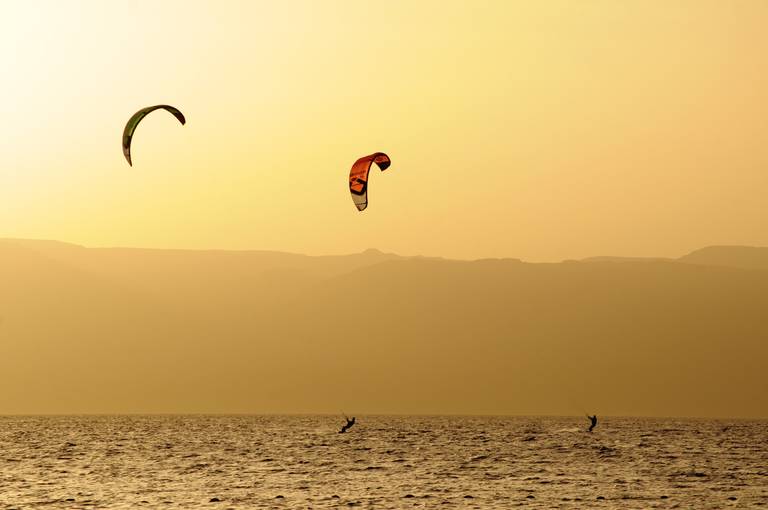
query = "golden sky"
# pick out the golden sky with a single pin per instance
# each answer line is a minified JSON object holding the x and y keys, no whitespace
{"x":535,"y":129}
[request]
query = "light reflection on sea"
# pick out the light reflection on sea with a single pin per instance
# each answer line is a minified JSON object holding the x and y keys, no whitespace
{"x":383,"y":462}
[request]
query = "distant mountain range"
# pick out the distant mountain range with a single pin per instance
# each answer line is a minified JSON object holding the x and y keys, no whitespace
{"x":113,"y":330}
{"x":746,"y":257}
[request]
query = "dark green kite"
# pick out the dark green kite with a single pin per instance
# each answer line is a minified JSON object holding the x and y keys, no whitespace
{"x":130,"y":127}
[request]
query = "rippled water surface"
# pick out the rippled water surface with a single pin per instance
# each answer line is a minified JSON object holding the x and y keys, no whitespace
{"x":383,"y":462}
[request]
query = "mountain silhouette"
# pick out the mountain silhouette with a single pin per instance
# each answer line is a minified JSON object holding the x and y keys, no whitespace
{"x":112,"y":330}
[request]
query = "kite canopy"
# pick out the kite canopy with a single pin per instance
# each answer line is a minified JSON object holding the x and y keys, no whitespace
{"x":130,"y":127}
{"x":358,"y":177}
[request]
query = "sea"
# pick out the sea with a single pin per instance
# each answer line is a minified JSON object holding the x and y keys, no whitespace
{"x":286,"y":462}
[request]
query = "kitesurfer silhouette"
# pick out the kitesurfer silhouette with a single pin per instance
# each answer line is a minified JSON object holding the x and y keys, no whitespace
{"x":593,"y":419}
{"x":348,"y":425}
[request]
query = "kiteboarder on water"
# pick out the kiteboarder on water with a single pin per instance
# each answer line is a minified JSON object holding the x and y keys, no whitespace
{"x":593,"y":419}
{"x":348,"y":426}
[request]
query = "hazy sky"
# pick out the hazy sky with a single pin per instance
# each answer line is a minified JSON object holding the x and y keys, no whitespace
{"x":534,"y":129}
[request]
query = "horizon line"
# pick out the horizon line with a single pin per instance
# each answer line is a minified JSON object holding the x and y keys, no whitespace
{"x":365,"y":251}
